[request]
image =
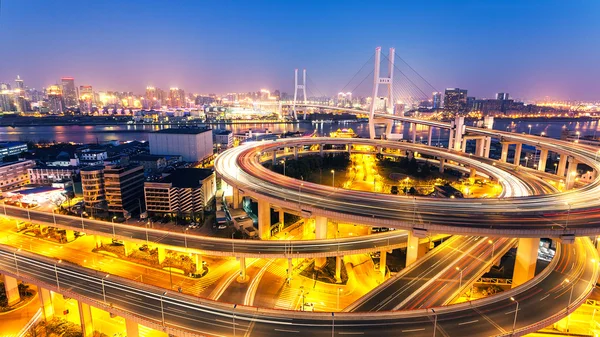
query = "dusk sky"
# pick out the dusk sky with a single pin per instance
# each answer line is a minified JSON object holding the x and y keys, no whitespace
{"x":531,"y":49}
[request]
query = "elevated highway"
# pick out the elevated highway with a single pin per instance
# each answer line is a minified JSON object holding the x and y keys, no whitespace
{"x":543,"y":300}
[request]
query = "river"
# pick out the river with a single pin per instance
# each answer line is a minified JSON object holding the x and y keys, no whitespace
{"x":103,"y":133}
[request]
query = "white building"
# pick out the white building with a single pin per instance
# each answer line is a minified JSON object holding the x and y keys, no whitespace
{"x":15,"y":174}
{"x":193,"y":145}
{"x":46,"y":175}
{"x":224,"y":139}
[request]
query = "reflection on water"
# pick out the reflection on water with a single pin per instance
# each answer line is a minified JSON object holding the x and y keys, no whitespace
{"x":102,"y":133}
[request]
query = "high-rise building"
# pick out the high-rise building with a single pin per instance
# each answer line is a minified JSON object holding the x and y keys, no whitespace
{"x":437,"y":100}
{"x":455,"y":100}
{"x":124,"y":188}
{"x":19,"y":84}
{"x":92,"y":184}
{"x":503,"y":96}
{"x":69,"y":91}
{"x":55,"y":99}
{"x":176,"y":98}
{"x":86,"y":96}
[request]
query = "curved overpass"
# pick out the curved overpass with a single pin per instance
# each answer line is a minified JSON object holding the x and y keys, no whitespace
{"x":575,"y":212}
{"x":186,"y":315}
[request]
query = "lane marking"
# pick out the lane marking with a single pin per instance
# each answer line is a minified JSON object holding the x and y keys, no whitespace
{"x":442,"y":287}
{"x":469,"y":322}
{"x":352,"y":333}
{"x":282,"y":330}
{"x":413,"y":330}
{"x":543,"y":298}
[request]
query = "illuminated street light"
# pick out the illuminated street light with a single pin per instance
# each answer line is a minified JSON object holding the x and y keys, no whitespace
{"x":570,"y":298}
{"x":283,"y":162}
{"x":103,"y":291}
{"x":113,"y":226}
{"x":162,"y":308}
{"x":529,"y":126}
{"x":434,"y":321}
{"x":460,"y":280}
{"x":333,"y":179}
{"x":555,"y":168}
{"x":516,"y":313}
{"x":493,"y":243}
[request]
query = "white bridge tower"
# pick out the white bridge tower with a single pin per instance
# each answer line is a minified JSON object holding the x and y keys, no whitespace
{"x":296,"y":88}
{"x":377,"y":80}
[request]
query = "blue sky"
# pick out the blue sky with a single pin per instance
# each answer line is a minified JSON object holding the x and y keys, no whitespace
{"x":531,"y":48}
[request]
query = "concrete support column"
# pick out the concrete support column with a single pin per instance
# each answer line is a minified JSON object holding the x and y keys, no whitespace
{"x":429,"y":135}
{"x":349,"y":148}
{"x":11,"y":286}
{"x":479,"y":147}
{"x":518,"y":148}
{"x":543,"y":159}
{"x":571,"y":173}
{"x":321,"y":233}
{"x":504,"y":153}
{"x":98,"y":240}
{"x":197,"y":259}
{"x":321,"y":149}
{"x":382,"y":262}
{"x":290,"y":269}
{"x":412,"y":249}
{"x":487,"y":144}
{"x":132,"y":328}
{"x":237,"y":199}
{"x":274,"y":157}
{"x":463,"y":146}
{"x":321,"y":227}
{"x":296,"y":152}
{"x":281,"y":217}
{"x":70,"y":235}
{"x":442,"y":162}
{"x":46,"y":303}
{"x":243,"y":277}
{"x":335,"y":227}
{"x":338,"y":269}
{"x":85,"y":316}
{"x":161,"y":252}
{"x":562,"y":165}
{"x":414,"y":132}
{"x":527,"y":253}
{"x":264,"y":219}
{"x":472,"y":173}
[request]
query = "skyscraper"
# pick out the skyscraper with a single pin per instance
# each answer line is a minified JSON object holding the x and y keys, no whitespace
{"x":503,"y":96}
{"x":55,"y":99}
{"x":455,"y":100}
{"x":176,"y":98}
{"x":19,"y":83}
{"x":69,"y":91}
{"x":437,"y":100}
{"x":86,"y":94}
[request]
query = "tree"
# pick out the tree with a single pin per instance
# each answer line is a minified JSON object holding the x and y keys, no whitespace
{"x":394,"y":190}
{"x":412,"y":191}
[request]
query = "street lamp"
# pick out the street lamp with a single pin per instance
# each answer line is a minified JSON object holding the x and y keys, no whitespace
{"x":569,"y":303}
{"x":185,"y":237}
{"x":16,"y":265}
{"x":283,"y":162}
{"x":460,"y":280}
{"x":555,"y":168}
{"x":103,"y":291}
{"x":577,"y":133}
{"x":299,"y":193}
{"x":56,"y":274}
{"x":162,"y":308}
{"x":493,"y":243}
{"x":434,"y":321}
{"x":568,"y":213}
{"x":529,"y":126}
{"x":113,"y":225}
{"x":234,"y":306}
{"x":516,"y":313}
{"x":333,"y":178}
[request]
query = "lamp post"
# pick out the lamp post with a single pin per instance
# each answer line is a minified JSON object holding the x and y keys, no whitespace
{"x":103,"y":289}
{"x":577,"y":133}
{"x":493,"y":243}
{"x":555,"y":168}
{"x":333,"y":178}
{"x":234,"y":306}
{"x":185,"y":237}
{"x":56,"y":274}
{"x":460,"y":279}
{"x":570,"y":298}
{"x":516,"y":313}
{"x":300,"y":193}
{"x":283,"y":162}
{"x":54,"y":216}
{"x":529,"y":126}
{"x":434,"y":321}
{"x":113,"y":225}
{"x":162,"y":308}
{"x":82,"y":225}
{"x":16,"y":265}
{"x":568,"y":213}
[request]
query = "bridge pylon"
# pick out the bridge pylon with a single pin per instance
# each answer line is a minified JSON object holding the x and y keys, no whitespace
{"x":297,"y":87}
{"x":377,"y":80}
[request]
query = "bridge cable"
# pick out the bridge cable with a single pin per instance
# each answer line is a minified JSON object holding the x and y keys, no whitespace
{"x":361,"y":68}
{"x":411,"y":68}
{"x":361,"y":82}
{"x":409,"y":80}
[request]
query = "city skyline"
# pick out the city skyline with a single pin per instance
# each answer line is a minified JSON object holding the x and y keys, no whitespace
{"x":219,"y":53}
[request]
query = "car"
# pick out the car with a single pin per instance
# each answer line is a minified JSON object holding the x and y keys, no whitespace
{"x":222,"y":226}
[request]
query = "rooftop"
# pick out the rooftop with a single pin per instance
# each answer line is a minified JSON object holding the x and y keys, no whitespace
{"x":11,"y":144}
{"x":184,"y":131}
{"x":187,"y":177}
{"x":146,"y":157}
